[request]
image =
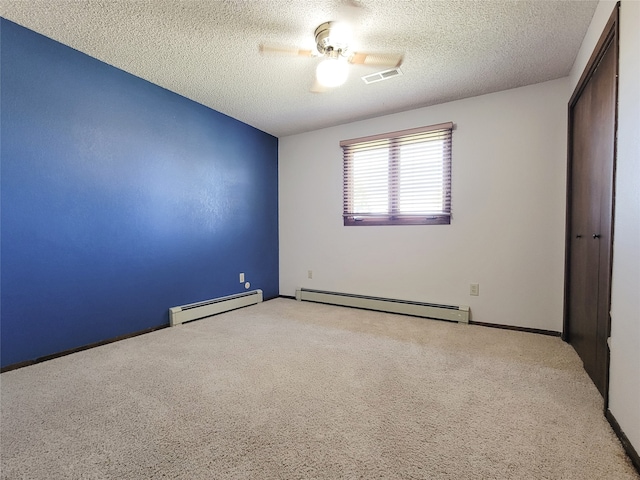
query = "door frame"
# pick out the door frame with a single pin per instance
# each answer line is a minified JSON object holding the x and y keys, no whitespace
{"x":609,"y":35}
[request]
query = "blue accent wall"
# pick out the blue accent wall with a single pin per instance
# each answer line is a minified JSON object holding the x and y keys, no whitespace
{"x":119,"y":200}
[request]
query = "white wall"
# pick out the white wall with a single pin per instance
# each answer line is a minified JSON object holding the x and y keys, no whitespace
{"x":508,"y":201}
{"x":624,"y":386}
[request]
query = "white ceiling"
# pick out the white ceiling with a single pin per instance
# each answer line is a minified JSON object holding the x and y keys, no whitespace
{"x":208,"y":50}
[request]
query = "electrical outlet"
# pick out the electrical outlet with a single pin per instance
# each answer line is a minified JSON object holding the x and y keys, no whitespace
{"x":309,"y":273}
{"x":474,"y":289}
{"x":242,"y":278}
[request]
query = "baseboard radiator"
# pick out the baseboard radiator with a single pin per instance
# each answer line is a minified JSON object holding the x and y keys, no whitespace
{"x":196,"y":311}
{"x":454,"y":313}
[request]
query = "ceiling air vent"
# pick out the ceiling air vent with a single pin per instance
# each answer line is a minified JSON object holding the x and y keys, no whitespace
{"x":378,"y":77}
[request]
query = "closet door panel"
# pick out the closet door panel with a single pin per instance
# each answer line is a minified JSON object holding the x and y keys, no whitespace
{"x":604,"y":107}
{"x":583,"y":270}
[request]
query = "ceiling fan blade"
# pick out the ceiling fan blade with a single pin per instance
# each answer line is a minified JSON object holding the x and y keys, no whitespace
{"x":317,"y":87}
{"x":377,"y":59}
{"x":269,"y":49}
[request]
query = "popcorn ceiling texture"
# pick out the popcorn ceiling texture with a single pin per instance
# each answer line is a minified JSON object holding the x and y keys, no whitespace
{"x":291,"y":390}
{"x":208,"y":50}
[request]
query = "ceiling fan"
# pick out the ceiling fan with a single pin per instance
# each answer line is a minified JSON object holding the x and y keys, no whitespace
{"x":332,"y":42}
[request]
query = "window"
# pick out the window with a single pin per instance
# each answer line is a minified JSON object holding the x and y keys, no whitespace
{"x":399,"y":178}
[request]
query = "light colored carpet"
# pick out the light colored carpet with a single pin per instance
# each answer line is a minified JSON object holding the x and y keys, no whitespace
{"x":289,"y":390}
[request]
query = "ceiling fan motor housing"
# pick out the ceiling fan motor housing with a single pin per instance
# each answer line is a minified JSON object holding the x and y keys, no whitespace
{"x":330,"y":39}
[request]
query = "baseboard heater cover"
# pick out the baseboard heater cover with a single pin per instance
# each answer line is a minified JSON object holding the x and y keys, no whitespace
{"x":207,"y":308}
{"x":454,"y":313}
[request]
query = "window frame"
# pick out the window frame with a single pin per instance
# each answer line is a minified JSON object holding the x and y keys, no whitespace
{"x":395,"y":141}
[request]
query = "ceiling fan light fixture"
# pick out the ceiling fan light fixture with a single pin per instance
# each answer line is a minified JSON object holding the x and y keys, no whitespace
{"x":341,"y":33}
{"x":333,"y":36}
{"x":332,"y":72}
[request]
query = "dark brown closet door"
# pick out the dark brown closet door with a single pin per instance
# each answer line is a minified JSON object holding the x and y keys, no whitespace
{"x":591,"y":165}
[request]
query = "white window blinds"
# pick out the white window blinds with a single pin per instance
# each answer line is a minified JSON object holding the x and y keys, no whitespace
{"x":400,"y":178}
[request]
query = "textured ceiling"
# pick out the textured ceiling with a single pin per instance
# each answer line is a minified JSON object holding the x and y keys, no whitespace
{"x":208,"y":50}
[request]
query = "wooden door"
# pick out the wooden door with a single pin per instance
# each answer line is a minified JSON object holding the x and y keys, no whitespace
{"x":592,"y":126}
